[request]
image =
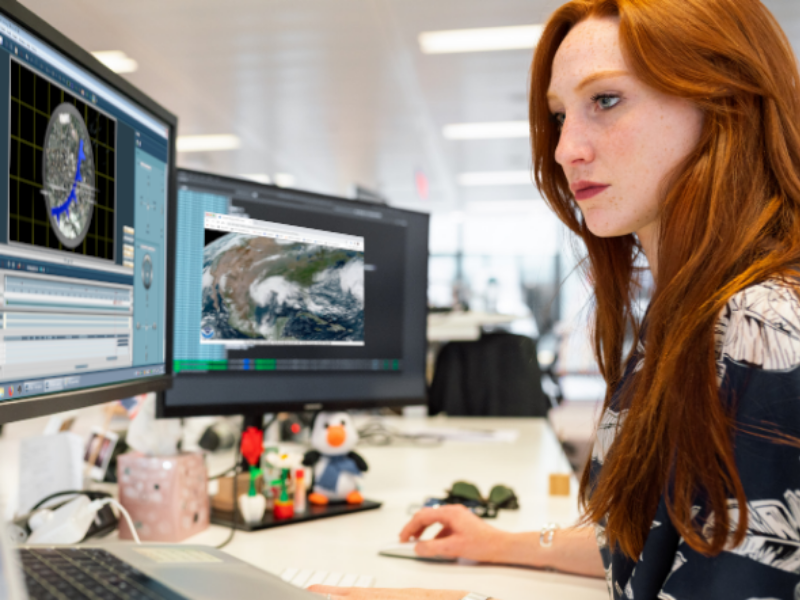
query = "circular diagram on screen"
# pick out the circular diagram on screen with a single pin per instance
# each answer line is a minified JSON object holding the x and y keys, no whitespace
{"x":147,"y":271}
{"x":68,"y":175}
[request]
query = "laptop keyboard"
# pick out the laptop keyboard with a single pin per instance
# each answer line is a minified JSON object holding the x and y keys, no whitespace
{"x":87,"y":574}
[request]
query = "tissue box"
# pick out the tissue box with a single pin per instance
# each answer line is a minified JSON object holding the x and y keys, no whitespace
{"x":167,"y":497}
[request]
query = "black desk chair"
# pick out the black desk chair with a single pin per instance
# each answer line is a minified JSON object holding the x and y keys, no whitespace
{"x":495,"y":376}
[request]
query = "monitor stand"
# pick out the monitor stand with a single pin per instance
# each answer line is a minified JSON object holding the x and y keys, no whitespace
{"x":312,"y":512}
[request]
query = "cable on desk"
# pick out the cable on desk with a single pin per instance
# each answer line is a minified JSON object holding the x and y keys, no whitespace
{"x":377,"y":433}
{"x":96,"y":505}
{"x":223,"y":474}
{"x":47,"y":499}
{"x":236,"y":468}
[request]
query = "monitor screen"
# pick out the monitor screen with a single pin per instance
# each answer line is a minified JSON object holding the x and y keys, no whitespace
{"x":83,"y":223}
{"x":292,"y":300}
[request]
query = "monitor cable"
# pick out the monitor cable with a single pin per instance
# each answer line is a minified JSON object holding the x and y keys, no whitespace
{"x":236,"y":468}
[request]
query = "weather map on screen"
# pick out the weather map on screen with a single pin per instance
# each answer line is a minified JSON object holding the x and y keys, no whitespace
{"x":268,"y":283}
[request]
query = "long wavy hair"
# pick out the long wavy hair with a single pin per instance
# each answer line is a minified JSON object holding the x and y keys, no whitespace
{"x":730,"y":218}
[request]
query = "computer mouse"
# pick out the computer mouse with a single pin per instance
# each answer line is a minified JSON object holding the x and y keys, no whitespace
{"x":406,"y":550}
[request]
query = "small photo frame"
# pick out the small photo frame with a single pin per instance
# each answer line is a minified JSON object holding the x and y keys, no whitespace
{"x":99,"y":450}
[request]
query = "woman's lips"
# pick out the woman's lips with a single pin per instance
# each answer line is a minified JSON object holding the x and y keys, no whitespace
{"x":589,"y":192}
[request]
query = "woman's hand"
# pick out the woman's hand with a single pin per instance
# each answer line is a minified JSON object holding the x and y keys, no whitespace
{"x":337,"y":593}
{"x":463,"y":535}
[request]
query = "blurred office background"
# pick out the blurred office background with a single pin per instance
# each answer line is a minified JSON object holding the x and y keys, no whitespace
{"x":418,"y":103}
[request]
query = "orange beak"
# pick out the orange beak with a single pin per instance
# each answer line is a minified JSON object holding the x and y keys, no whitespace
{"x":336,"y":435}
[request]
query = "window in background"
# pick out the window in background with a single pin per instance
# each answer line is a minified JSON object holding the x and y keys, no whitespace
{"x":504,"y":261}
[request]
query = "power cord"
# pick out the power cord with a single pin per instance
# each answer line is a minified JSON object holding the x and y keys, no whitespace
{"x":47,"y":499}
{"x":96,"y":505}
{"x":223,"y":474}
{"x":236,"y":468}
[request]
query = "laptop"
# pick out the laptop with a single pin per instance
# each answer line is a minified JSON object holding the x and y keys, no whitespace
{"x":126,"y":571}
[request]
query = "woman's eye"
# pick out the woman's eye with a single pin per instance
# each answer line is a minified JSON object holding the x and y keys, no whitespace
{"x":558,"y":119}
{"x":606,"y":101}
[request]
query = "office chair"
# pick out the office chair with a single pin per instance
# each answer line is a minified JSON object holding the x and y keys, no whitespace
{"x":496,"y":376}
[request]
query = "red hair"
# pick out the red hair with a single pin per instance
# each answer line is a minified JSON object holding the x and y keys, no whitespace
{"x":730,"y":218}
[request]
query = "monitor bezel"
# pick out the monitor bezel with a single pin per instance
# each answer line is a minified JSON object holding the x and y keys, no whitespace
{"x":46,"y":404}
{"x":163,"y":410}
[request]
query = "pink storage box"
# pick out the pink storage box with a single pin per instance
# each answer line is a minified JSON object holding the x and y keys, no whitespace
{"x":167,"y":497}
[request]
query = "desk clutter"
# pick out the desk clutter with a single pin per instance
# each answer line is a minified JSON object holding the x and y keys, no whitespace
{"x":169,"y":497}
{"x":285,"y":487}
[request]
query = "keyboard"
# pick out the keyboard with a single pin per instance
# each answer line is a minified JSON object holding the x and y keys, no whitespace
{"x":87,"y":574}
{"x":304,"y":578}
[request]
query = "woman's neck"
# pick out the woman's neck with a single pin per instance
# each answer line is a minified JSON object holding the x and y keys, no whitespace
{"x":648,"y":239}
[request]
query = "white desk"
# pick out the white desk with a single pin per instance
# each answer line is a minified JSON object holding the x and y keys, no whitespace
{"x":399,"y":477}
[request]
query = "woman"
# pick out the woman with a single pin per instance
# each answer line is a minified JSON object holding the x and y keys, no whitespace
{"x":671,"y":129}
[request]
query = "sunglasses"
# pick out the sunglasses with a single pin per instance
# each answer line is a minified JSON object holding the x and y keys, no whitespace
{"x":500,"y":496}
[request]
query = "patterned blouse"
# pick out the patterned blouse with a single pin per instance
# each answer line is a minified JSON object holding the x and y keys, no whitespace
{"x":758,"y":355}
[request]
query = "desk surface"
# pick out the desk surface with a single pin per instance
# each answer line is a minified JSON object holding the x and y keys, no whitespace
{"x":402,"y":476}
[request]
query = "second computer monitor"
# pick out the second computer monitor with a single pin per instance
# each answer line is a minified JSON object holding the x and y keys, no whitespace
{"x":288,"y":300}
{"x":86,"y":178}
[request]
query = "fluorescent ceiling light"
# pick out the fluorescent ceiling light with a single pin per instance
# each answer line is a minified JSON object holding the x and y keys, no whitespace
{"x":486,"y":131}
{"x":487,"y":178}
{"x":479,"y":40}
{"x":117,"y":61}
{"x":284,"y":180}
{"x":207,"y":143}
{"x":258,"y":177}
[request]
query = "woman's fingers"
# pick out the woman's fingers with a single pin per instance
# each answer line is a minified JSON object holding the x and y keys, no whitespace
{"x":421,"y":520}
{"x":324,"y":590}
{"x":437,"y":547}
{"x":338,"y":593}
{"x":443,"y":533}
{"x":429,"y":516}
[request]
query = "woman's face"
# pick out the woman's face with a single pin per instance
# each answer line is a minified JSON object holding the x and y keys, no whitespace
{"x":620,"y":139}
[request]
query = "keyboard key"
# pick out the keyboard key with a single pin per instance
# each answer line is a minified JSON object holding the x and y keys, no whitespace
{"x":333,"y":579}
{"x":348,"y":580}
{"x":288,"y":574}
{"x":300,"y":579}
{"x":364,"y":581}
{"x":316,"y":577}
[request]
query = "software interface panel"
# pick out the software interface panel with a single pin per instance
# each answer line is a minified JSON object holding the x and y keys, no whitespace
{"x":82,"y":226}
{"x":282,"y":281}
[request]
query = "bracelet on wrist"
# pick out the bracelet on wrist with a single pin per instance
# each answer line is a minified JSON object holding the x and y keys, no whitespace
{"x":547,"y":534}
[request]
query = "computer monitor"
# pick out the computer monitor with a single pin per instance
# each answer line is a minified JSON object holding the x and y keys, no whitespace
{"x":86,"y":173}
{"x":289,"y":301}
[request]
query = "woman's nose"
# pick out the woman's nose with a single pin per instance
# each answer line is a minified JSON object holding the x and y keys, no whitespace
{"x":573,"y":144}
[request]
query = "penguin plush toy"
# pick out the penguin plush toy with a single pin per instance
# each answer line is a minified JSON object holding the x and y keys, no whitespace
{"x":336,"y":469}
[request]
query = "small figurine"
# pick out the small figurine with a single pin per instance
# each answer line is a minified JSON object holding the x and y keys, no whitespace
{"x":281,"y":465}
{"x":252,"y":505}
{"x":336,"y":469}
